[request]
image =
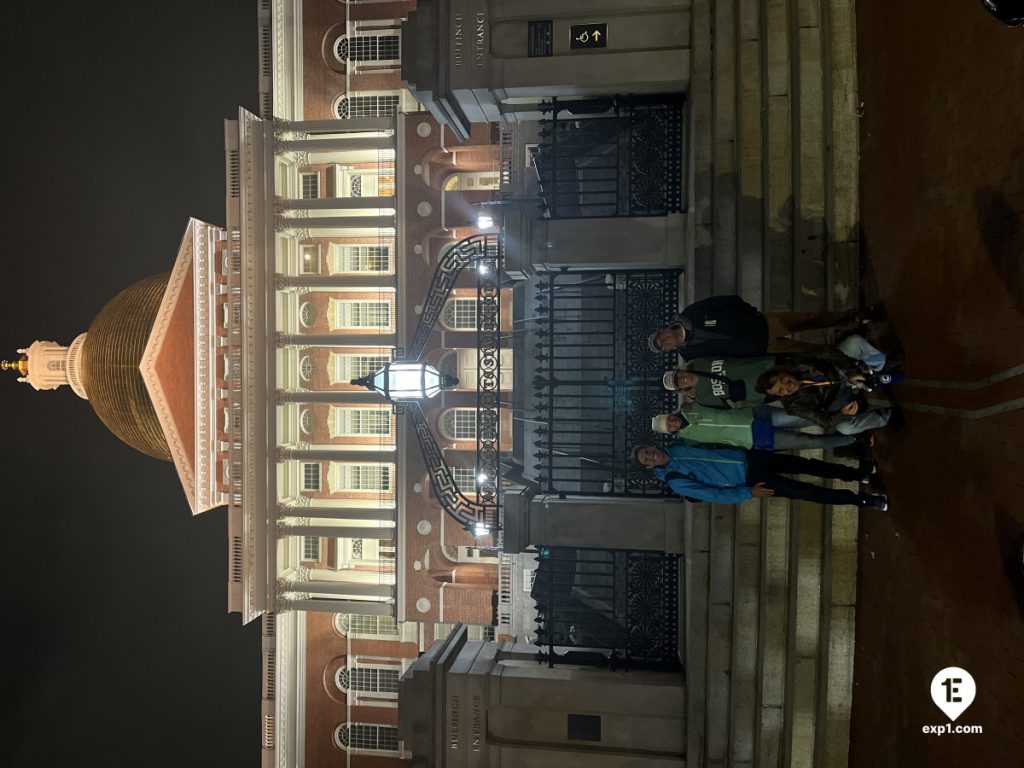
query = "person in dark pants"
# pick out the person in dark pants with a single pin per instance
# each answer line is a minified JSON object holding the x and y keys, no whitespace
{"x":727,"y":326}
{"x":728,"y":476}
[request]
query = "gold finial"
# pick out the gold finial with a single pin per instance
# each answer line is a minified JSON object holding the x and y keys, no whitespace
{"x":21,"y":366}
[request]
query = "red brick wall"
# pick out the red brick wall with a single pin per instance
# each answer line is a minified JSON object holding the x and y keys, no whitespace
{"x":323,"y":21}
{"x":326,"y":704}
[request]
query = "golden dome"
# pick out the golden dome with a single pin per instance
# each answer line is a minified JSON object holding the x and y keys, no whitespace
{"x":110,"y":366}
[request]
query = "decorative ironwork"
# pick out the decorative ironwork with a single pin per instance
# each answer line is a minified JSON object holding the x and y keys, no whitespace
{"x":597,"y":383}
{"x":621,"y":156}
{"x":469,"y":514}
{"x":607,"y":607}
{"x":468,"y":251}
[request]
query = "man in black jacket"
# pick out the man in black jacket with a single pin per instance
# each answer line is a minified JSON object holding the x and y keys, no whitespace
{"x":727,"y":326}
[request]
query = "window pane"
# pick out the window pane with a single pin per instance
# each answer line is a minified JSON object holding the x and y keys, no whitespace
{"x":460,"y":423}
{"x":310,"y":548}
{"x":361,"y":258}
{"x":361,"y":421}
{"x":310,"y":185}
{"x":362,"y":314}
{"x":361,"y":477}
{"x":460,"y":314}
{"x":311,"y":477}
{"x":465,"y":479}
{"x":348,"y":367}
{"x":368,"y":106}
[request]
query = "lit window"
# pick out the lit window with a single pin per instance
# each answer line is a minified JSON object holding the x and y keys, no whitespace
{"x":384,"y":105}
{"x":360,"y":477}
{"x":465,"y":479}
{"x":311,"y":477}
{"x":311,"y":548}
{"x":381,"y":738}
{"x":362,"y":314}
{"x":368,"y":48}
{"x":310,"y":185}
{"x":309,"y":259}
{"x":361,"y":258}
{"x":357,"y":422}
{"x":348,"y":367}
{"x":459,"y":314}
{"x":459,"y":423}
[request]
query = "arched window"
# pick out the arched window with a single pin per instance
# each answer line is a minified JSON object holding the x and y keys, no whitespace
{"x":361,"y":736}
{"x":374,"y":626}
{"x":368,"y":679}
{"x":459,"y":315}
{"x":459,"y":423}
{"x":307,"y":367}
{"x":368,"y":47}
{"x":383,"y":104}
{"x":307,"y":314}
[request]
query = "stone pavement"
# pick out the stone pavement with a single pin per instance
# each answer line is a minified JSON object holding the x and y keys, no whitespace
{"x":942,"y":206}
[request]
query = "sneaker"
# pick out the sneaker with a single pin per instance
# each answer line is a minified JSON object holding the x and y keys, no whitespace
{"x":877,"y":502}
{"x":888,"y":379}
{"x":867,"y":469}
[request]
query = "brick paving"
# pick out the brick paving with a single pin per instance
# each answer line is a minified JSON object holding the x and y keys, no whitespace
{"x":942,"y":162}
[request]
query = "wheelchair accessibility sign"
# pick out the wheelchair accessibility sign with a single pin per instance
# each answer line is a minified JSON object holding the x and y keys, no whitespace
{"x":588,"y":36}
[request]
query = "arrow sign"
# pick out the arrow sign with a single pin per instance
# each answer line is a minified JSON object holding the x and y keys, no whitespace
{"x":588,"y":36}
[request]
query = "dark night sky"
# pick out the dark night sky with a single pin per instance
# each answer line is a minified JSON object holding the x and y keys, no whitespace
{"x":118,"y":646}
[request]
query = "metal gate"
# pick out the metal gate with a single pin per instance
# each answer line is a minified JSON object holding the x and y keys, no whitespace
{"x":607,"y":607}
{"x":621,"y":156}
{"x":596,"y":382}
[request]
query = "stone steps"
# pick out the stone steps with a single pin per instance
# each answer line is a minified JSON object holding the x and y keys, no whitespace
{"x":771,"y":585}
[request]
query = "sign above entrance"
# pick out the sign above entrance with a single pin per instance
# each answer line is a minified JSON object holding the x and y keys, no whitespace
{"x":588,"y":36}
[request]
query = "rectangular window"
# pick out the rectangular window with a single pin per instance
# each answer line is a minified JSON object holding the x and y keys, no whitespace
{"x":362,"y":314}
{"x":361,"y":477}
{"x":465,"y":479}
{"x":309,"y":184}
{"x":311,"y":477}
{"x":370,"y":48}
{"x":311,"y":548}
{"x":361,"y":258}
{"x":309,"y":259}
{"x":358,"y":422}
{"x":348,"y":367}
{"x":378,"y":737}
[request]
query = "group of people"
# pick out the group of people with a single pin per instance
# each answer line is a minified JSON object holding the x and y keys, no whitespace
{"x":749,"y":392}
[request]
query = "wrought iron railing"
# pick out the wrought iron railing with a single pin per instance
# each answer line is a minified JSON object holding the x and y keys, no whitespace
{"x":621,"y":156}
{"x":484,"y":254}
{"x":596,"y":382}
{"x":607,"y":607}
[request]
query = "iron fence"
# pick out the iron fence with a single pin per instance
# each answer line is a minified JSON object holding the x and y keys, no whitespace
{"x":621,"y":156}
{"x":596,"y":382}
{"x":607,"y":607}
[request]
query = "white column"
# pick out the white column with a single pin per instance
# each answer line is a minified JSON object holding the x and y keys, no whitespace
{"x":338,"y":531}
{"x":336,"y":454}
{"x":337,"y":203}
{"x":326,"y":605}
{"x":338,"y":126}
{"x":336,"y":144}
{"x":383,"y":339}
{"x":335,"y":222}
{"x":345,"y":588}
{"x":337,"y":282}
{"x":381,"y":514}
{"x":337,"y":397}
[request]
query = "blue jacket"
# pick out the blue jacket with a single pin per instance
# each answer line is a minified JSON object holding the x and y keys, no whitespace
{"x":708,"y":474}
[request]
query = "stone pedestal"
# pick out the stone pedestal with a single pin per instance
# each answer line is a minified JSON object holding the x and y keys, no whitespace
{"x":602,"y":522}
